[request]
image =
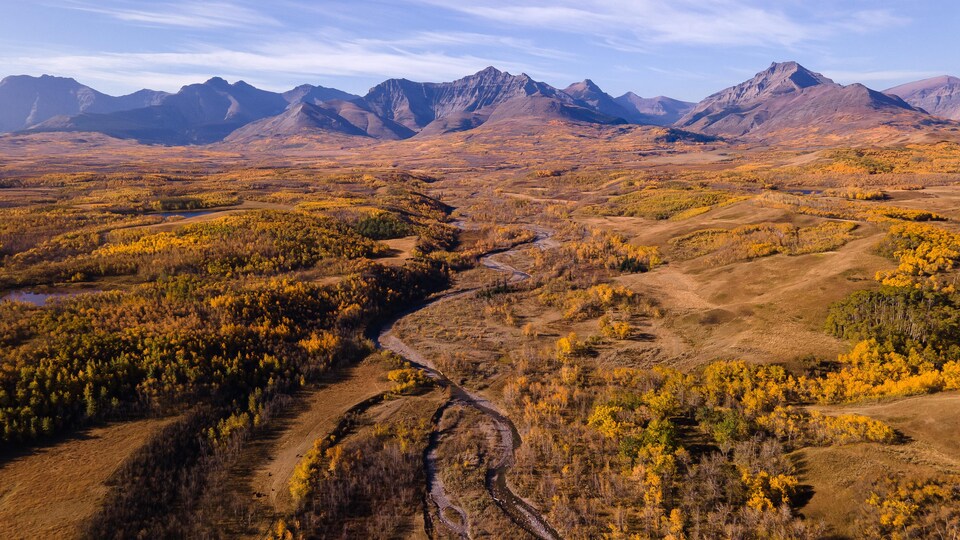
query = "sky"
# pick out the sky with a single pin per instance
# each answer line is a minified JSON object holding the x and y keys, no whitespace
{"x":686,"y":49}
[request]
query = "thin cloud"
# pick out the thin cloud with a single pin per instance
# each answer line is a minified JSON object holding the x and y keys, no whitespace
{"x":474,"y":39}
{"x":879,"y":75}
{"x":678,"y":73}
{"x":206,"y":15}
{"x":301,"y":59}
{"x":665,"y":22}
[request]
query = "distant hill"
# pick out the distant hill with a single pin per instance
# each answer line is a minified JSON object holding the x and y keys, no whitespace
{"x":659,"y":111}
{"x":789,"y":97}
{"x":197,"y":114}
{"x":342,"y":117}
{"x":589,"y":95}
{"x":26,"y":101}
{"x":939,"y":96}
{"x":307,"y":93}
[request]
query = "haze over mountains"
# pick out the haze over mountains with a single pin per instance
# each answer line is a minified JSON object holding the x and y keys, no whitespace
{"x":785,"y":98}
{"x":26,"y":101}
{"x":939,"y":96}
{"x":658,"y":111}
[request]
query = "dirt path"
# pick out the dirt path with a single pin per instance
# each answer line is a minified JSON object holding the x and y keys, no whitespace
{"x":50,"y":492}
{"x":324,"y":407}
{"x":262,"y":474}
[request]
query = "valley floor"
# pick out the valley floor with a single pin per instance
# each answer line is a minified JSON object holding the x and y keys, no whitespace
{"x":632,"y":337}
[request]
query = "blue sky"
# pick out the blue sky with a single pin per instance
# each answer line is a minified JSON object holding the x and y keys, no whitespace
{"x":681,"y":48}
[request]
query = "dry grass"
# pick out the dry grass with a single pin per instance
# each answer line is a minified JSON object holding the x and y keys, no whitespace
{"x":51,"y":491}
{"x":764,"y":310}
{"x":842,"y":477}
{"x":260,"y":478}
{"x":401,"y":250}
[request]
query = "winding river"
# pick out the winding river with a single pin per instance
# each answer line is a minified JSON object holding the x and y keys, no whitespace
{"x":522,"y":513}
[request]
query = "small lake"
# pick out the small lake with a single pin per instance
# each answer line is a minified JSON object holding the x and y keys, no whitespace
{"x":40,"y":298}
{"x":186,"y":213}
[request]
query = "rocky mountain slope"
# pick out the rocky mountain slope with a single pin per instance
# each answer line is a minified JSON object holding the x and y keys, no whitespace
{"x":337,"y":116}
{"x":784,"y":101}
{"x":468,"y":102}
{"x":939,"y":96}
{"x":787,"y":97}
{"x":198,"y":113}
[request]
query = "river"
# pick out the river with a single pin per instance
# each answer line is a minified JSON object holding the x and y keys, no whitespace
{"x":522,"y":513}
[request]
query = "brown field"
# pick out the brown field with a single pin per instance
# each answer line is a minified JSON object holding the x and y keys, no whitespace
{"x":260,"y":480}
{"x":51,"y":491}
{"x":842,"y":477}
{"x":400,"y":250}
{"x":764,"y":310}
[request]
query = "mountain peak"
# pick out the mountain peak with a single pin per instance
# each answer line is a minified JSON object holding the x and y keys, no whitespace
{"x":316,"y":94}
{"x":793,"y":74}
{"x":659,"y":110}
{"x":217,"y":82}
{"x":585,"y":85}
{"x":46,"y":77}
{"x":788,"y":96}
{"x":781,"y":78}
{"x":42,"y":79}
{"x":27,"y":101}
{"x":468,"y":99}
{"x":490,"y":70}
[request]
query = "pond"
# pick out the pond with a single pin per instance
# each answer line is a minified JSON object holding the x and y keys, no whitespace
{"x":40,"y":298}
{"x":186,"y":213}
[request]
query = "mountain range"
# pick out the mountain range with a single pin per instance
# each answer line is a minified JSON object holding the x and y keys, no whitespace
{"x":784,"y":98}
{"x":26,"y":101}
